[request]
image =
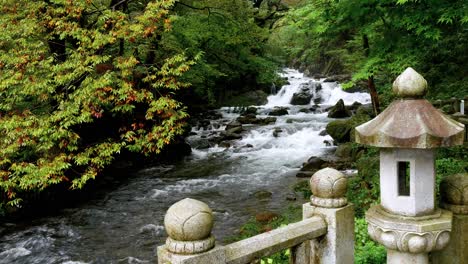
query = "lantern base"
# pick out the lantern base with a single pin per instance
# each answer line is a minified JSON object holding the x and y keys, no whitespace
{"x":409,"y":237}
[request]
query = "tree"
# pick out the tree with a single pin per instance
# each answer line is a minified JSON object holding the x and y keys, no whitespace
{"x":376,"y":40}
{"x":79,"y":83}
{"x":232,"y":48}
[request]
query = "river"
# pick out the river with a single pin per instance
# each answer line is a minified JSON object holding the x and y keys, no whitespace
{"x":127,"y":224}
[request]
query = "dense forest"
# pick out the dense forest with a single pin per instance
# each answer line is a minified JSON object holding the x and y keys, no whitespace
{"x":84,"y":82}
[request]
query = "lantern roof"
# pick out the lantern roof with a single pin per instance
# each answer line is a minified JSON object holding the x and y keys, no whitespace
{"x":410,"y":122}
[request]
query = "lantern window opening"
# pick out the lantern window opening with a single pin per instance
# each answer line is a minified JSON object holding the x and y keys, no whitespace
{"x":404,"y":178}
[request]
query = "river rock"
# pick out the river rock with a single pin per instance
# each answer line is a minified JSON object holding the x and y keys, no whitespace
{"x":266,"y":120}
{"x":224,"y":144}
{"x":339,"y":130}
{"x":313,"y":163}
{"x":301,"y":98}
{"x":233,"y":124}
{"x":278,"y":111}
{"x":262,"y":194}
{"x":277,"y":131}
{"x":265,"y":217}
{"x":338,"y":78}
{"x":323,"y":133}
{"x":230,"y":136}
{"x":339,"y":110}
{"x":305,"y":174}
{"x":250,"y":110}
{"x":247,"y":119}
{"x":354,"y":106}
{"x":304,"y":110}
{"x":365,"y":110}
{"x":235,"y":130}
{"x":201,"y":144}
{"x":291,"y":197}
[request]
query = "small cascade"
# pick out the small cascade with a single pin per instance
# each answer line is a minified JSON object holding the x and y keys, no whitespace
{"x":325,"y":93}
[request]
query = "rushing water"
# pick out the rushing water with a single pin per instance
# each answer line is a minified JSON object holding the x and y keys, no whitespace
{"x":127,"y":225}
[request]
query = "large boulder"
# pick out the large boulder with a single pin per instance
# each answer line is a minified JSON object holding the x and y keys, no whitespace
{"x":313,"y":164}
{"x":278,"y":111}
{"x":301,"y":98}
{"x":343,"y":130}
{"x":339,"y":130}
{"x":339,"y":110}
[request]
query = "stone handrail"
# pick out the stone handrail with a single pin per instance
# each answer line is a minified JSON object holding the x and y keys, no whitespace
{"x":266,"y":244}
{"x":325,"y":235}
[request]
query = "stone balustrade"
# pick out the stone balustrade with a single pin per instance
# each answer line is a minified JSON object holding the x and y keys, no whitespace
{"x":325,"y":235}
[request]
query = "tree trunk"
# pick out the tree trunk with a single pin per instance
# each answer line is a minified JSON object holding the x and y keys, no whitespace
{"x":370,"y":80}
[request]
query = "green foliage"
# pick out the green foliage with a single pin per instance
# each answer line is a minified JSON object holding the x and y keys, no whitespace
{"x":366,"y":251}
{"x":79,"y":84}
{"x":380,"y":39}
{"x":231,"y":43}
{"x":363,"y":190}
{"x":304,"y":188}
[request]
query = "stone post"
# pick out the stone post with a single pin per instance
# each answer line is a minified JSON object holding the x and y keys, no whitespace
{"x":328,"y":201}
{"x":407,"y":222}
{"x":454,"y":196}
{"x":188,"y":224}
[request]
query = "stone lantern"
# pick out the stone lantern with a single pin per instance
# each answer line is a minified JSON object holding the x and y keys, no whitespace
{"x":407,"y":222}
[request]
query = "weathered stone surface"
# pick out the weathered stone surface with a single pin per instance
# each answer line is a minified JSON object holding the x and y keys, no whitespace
{"x":339,"y":110}
{"x":276,"y":240}
{"x":410,"y":84}
{"x":328,"y":183}
{"x":456,"y":251}
{"x":409,"y":234}
{"x":337,"y":246}
{"x":421,"y":199}
{"x":216,"y":255}
{"x":188,"y":220}
{"x":410,"y":124}
{"x":454,"y":193}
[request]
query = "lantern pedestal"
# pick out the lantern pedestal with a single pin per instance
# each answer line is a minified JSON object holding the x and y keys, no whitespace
{"x":409,"y":239}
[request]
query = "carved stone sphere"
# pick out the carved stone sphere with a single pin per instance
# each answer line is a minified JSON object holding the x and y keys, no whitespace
{"x":189,"y":220}
{"x":328,"y":183}
{"x":454,"y":189}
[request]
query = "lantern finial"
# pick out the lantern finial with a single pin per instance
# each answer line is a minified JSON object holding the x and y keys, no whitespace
{"x":410,"y":84}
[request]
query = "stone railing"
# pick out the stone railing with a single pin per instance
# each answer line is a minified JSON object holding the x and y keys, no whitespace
{"x":325,"y":235}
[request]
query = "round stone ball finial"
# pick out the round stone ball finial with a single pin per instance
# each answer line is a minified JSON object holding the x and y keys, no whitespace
{"x":454,"y":193}
{"x":189,"y":220}
{"x":410,"y":84}
{"x":189,"y":223}
{"x":328,"y":188}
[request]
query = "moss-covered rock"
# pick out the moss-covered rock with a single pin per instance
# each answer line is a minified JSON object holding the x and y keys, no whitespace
{"x":339,"y":130}
{"x":342,"y":131}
